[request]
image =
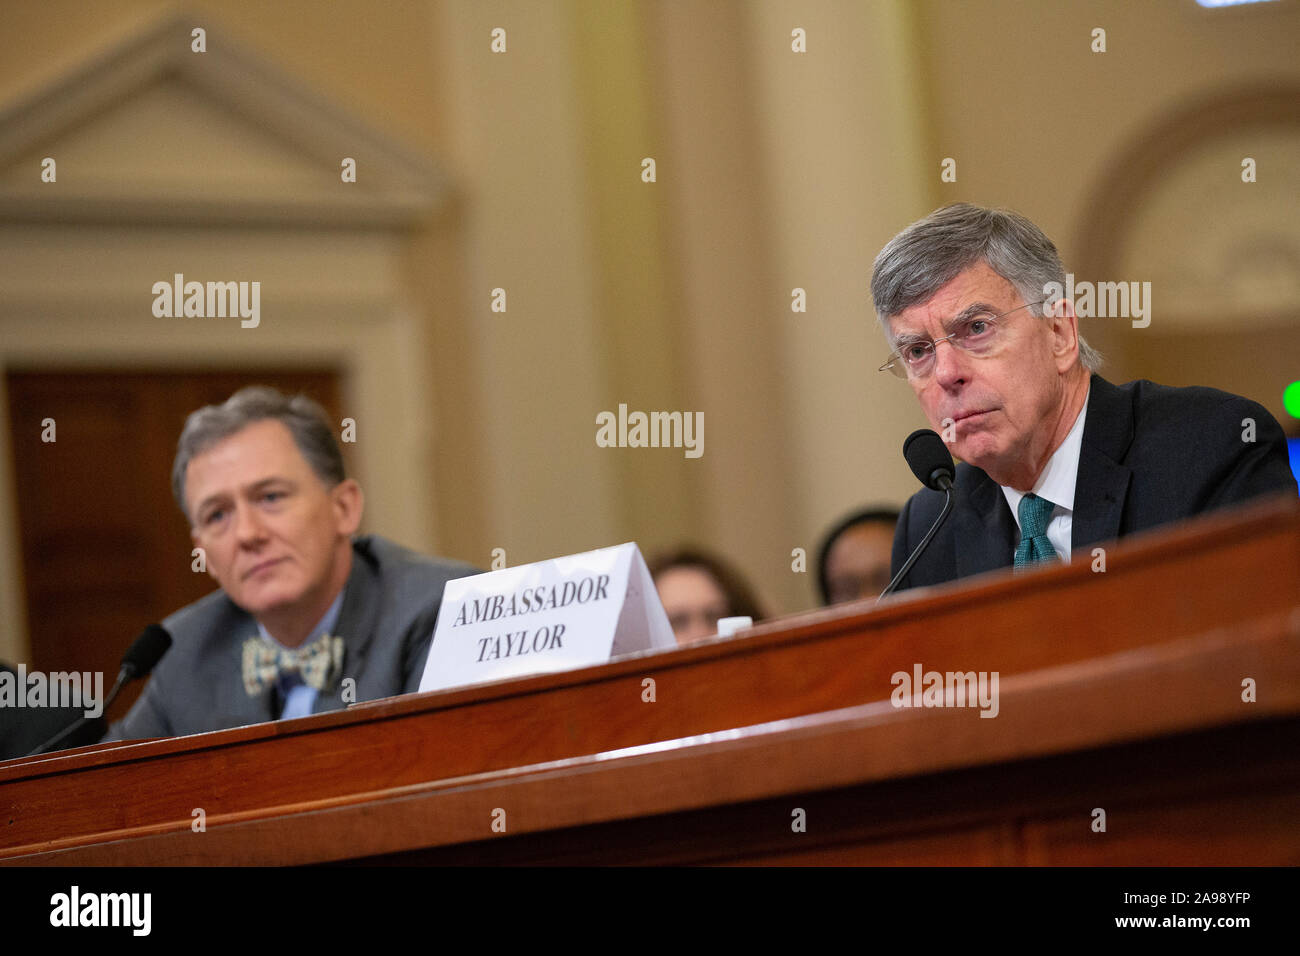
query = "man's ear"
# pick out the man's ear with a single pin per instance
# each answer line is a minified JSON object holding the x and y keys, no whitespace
{"x":1064,"y":326}
{"x":348,"y":502}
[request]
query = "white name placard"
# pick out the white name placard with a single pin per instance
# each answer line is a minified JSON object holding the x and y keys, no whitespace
{"x":550,"y":616}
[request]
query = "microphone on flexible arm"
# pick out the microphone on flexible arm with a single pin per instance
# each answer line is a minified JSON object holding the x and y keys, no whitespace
{"x":931,"y":462}
{"x":140,"y":658}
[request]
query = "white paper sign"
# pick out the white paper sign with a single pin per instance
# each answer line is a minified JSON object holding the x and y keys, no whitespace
{"x":550,"y":616}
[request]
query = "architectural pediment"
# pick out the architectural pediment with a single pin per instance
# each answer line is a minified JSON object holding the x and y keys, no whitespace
{"x":152,"y":131}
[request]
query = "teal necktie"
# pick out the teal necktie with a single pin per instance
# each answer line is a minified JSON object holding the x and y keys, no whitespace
{"x":1034,"y":547}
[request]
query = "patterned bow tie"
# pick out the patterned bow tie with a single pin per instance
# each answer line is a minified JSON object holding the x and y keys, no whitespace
{"x":315,"y":664}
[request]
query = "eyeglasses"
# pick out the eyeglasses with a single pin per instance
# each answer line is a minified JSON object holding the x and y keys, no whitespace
{"x":979,"y":334}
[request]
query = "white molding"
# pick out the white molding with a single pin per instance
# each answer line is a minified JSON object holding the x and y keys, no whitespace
{"x":13,"y":595}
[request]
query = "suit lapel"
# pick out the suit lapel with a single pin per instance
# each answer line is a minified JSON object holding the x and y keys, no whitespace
{"x":1102,"y":483}
{"x":984,"y":530}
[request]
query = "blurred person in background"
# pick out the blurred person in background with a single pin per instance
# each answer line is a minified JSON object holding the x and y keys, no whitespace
{"x":853,"y":562}
{"x":697,"y":590}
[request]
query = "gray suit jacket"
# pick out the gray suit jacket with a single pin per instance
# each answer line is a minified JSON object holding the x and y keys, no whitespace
{"x":1151,"y":455}
{"x":390,"y":605}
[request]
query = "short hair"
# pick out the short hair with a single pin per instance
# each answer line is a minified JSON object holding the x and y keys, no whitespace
{"x":930,"y":252}
{"x":305,"y":419}
{"x":740,"y":598}
{"x":887,"y":516}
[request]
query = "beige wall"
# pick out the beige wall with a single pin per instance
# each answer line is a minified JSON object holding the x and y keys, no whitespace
{"x":775,"y":170}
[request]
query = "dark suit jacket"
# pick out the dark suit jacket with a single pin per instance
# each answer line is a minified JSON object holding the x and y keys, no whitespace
{"x":24,"y":728}
{"x":390,"y":605}
{"x":1150,"y":455}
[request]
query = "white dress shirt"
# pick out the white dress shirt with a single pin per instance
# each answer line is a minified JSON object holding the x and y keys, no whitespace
{"x":1056,"y":484}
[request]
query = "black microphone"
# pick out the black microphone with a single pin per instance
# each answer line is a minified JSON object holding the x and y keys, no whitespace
{"x":140,"y":658}
{"x":931,"y":462}
{"x":143,"y":654}
{"x":929,"y":459}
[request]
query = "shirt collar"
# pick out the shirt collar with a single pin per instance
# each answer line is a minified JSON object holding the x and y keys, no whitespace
{"x":1057,"y":481}
{"x":324,"y":626}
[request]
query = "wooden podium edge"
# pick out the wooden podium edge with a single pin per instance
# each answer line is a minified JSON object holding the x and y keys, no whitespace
{"x":1206,"y":533}
{"x":1080,"y":706}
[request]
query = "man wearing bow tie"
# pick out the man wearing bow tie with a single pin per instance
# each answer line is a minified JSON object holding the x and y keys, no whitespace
{"x":309,"y":618}
{"x":1054,"y":457}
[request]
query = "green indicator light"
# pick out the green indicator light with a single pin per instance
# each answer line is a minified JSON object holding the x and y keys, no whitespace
{"x":1291,"y":399}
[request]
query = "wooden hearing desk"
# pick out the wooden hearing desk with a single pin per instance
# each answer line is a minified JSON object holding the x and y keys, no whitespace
{"x":1120,"y":694}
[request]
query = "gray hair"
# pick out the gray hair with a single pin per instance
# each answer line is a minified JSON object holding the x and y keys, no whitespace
{"x":918,"y":261}
{"x":305,"y":419}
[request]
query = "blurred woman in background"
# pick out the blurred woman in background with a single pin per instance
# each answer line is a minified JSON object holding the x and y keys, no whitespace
{"x":697,"y":589}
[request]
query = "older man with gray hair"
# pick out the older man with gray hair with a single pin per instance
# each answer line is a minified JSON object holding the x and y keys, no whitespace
{"x":310,"y":617}
{"x":1054,"y":457}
